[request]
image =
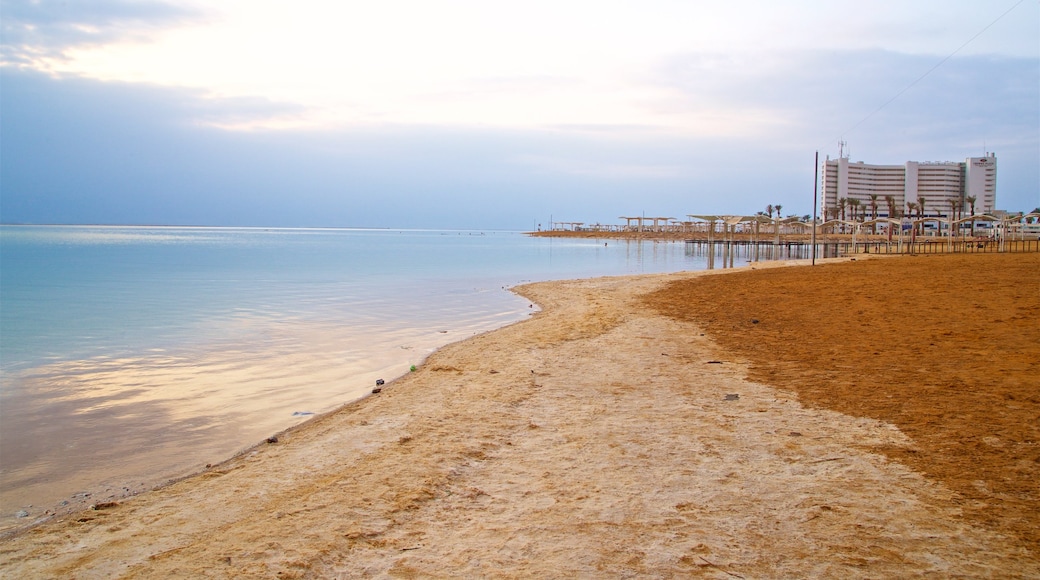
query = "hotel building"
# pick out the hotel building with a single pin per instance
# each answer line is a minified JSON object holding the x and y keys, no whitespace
{"x":937,"y":184}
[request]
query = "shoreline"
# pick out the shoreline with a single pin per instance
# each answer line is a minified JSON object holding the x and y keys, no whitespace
{"x":133,"y":477}
{"x":503,"y":438}
{"x":114,"y":466}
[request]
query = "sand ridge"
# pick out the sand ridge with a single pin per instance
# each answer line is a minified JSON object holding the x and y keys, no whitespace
{"x":600,"y":437}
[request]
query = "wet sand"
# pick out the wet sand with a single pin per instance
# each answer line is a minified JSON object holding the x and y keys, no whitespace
{"x":103,"y":429}
{"x":644,"y":426}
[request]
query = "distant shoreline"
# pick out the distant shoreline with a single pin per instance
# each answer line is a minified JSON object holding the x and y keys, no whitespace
{"x":935,"y":244}
{"x":658,"y":236}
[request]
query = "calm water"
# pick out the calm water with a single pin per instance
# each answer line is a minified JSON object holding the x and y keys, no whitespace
{"x":132,"y":354}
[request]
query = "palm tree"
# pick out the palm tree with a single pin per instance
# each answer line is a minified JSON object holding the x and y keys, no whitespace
{"x":853,"y":208}
{"x":910,"y":207}
{"x":920,"y":213}
{"x":873,"y":206}
{"x":890,"y":201}
{"x":971,"y":199}
{"x":842,"y":202}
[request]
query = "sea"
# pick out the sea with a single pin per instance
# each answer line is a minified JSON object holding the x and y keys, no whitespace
{"x":133,"y":355}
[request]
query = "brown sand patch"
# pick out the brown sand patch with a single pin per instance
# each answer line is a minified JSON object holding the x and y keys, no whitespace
{"x":947,"y":348}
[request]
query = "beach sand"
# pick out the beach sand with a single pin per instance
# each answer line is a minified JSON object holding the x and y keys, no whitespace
{"x":644,"y":426}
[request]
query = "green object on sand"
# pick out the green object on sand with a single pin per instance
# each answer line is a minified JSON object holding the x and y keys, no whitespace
{"x":413,"y":368}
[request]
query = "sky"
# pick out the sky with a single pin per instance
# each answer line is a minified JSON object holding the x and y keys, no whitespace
{"x":495,"y":115}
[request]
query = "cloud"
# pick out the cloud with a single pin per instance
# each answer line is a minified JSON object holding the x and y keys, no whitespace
{"x":81,"y":151}
{"x":601,"y":169}
{"x":825,"y":95}
{"x":35,"y":29}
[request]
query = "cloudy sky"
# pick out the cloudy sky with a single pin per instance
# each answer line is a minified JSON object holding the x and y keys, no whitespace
{"x":495,"y":115}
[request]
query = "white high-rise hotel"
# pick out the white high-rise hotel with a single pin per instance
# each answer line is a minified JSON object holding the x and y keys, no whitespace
{"x":936,"y":184}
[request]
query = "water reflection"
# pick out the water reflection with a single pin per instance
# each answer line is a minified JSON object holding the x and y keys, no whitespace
{"x":729,"y":254}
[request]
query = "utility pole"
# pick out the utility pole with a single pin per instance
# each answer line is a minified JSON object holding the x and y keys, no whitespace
{"x":816,"y":181}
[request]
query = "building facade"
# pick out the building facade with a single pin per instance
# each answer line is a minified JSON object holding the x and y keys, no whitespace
{"x":933,"y":187}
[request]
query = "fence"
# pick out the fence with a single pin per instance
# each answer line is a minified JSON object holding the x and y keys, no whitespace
{"x":729,"y":250}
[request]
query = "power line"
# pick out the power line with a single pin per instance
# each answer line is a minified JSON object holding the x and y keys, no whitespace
{"x":929,"y":71}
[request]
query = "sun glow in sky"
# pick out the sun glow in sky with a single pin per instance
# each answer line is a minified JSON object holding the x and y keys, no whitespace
{"x":517,"y":64}
{"x":643,"y":77}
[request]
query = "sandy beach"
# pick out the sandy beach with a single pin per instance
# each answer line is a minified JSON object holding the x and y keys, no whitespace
{"x":867,"y":418}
